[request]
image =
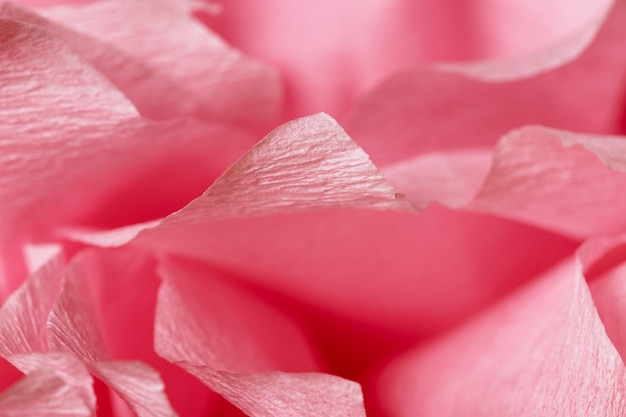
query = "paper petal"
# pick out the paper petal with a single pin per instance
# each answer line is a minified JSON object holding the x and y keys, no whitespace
{"x":227,"y":85}
{"x":73,"y":148}
{"x":605,"y":263}
{"x":137,"y":384}
{"x":72,"y":322}
{"x":544,"y":351}
{"x":44,"y":394}
{"x":280,"y":394}
{"x":425,"y":109}
{"x":155,"y":95}
{"x":363,"y":42}
{"x":229,"y":340}
{"x":74,"y":327}
{"x":309,"y":163}
{"x":203,"y":319}
{"x":23,"y":316}
{"x":570,"y":183}
{"x":449,"y":178}
{"x":66,"y":366}
{"x":330,"y":250}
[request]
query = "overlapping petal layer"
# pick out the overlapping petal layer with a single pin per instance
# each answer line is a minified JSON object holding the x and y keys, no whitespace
{"x":300,"y":215}
{"x":218,"y":82}
{"x":330,"y":52}
{"x":567,"y":182}
{"x":42,"y":393}
{"x":570,"y":183}
{"x":305,"y":219}
{"x":74,"y":148}
{"x":232,"y":342}
{"x":427,"y":109}
{"x":542,"y":351}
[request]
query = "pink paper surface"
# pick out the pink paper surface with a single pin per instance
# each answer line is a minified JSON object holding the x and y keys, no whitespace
{"x":146,"y":271}
{"x":231,"y":341}
{"x":122,"y":291}
{"x":42,"y":393}
{"x":74,"y":148}
{"x":317,"y":234}
{"x":74,"y":326}
{"x":542,"y":351}
{"x":427,"y":109}
{"x":571,"y":183}
{"x":163,"y":36}
{"x":331,"y":53}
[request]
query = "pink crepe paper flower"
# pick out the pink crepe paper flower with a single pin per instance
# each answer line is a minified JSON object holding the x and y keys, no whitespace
{"x":446,"y":239}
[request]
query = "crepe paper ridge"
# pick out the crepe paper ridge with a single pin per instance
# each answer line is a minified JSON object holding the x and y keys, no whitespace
{"x":138,"y":385}
{"x":542,"y":351}
{"x":72,"y":325}
{"x":280,"y":394}
{"x":31,"y":88}
{"x":42,"y":393}
{"x":306,"y":164}
{"x":558,"y":180}
{"x":226,"y":352}
{"x":27,"y":80}
{"x":175,"y":45}
{"x":23,"y":316}
{"x":73,"y":328}
{"x":424,"y":109}
{"x":66,"y":366}
{"x":70,"y":145}
{"x":153,"y":94}
{"x":24,"y":335}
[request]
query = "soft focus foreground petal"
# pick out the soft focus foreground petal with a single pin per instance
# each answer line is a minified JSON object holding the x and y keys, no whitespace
{"x":331,"y":52}
{"x":42,"y":393}
{"x":229,"y":339}
{"x":164,"y":35}
{"x":308,"y":163}
{"x":570,"y":183}
{"x":74,"y":327}
{"x":299,"y":215}
{"x":428,"y":109}
{"x":71,"y":143}
{"x":9,"y":374}
{"x":121,"y":290}
{"x":544,"y":351}
{"x":155,"y":95}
